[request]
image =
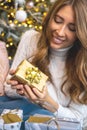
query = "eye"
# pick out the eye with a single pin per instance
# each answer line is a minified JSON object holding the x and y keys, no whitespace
{"x":72,"y":27}
{"x":57,"y":19}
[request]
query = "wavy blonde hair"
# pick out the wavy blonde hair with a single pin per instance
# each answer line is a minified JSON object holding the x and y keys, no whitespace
{"x":76,"y":62}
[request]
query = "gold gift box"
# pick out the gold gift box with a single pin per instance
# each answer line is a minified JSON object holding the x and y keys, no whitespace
{"x":37,"y":119}
{"x":28,"y":74}
{"x":11,"y":118}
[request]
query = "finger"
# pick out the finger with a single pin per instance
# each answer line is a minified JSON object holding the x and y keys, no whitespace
{"x":20,"y":86}
{"x":12,"y":82}
{"x":22,"y":93}
{"x":12,"y":71}
{"x":30,"y":93}
{"x":19,"y":91}
{"x":27,"y":95}
{"x":40,"y":94}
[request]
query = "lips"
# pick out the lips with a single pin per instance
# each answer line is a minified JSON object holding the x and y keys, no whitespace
{"x":57,"y":40}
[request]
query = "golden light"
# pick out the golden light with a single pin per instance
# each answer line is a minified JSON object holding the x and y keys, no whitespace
{"x":36,"y":9}
{"x":45,"y":13}
{"x":10,"y":21}
{"x":15,"y":21}
{"x":37,"y":1}
{"x":12,"y":14}
{"x":29,"y":21}
{"x":11,"y":43}
{"x":9,"y":39}
{"x":19,"y":25}
{"x":36,"y":27}
{"x":9,"y":57}
{"x":2,"y":34}
{"x":5,"y":7}
{"x":8,"y":16}
{"x":30,"y":26}
{"x":1,"y":4}
{"x":40,"y":27}
{"x":8,"y":1}
{"x":7,"y":45}
{"x":24,"y":24}
{"x":45,"y":5}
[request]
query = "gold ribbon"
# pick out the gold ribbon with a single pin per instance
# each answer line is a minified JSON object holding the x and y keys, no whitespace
{"x":33,"y":74}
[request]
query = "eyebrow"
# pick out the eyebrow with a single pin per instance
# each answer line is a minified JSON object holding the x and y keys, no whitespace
{"x":63,"y":19}
{"x":59,"y":16}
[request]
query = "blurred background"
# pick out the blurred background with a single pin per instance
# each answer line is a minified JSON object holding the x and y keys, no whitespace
{"x":18,"y":16}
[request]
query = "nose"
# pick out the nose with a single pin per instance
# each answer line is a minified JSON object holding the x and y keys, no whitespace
{"x":62,"y":31}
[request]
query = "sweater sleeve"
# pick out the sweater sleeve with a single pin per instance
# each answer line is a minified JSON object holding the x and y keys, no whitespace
{"x":4,"y":66}
{"x":66,"y":107}
{"x":26,"y":49}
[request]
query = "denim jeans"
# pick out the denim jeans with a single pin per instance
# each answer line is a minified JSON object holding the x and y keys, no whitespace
{"x":24,"y":104}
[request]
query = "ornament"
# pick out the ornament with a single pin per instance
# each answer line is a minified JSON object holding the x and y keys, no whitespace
{"x":21,"y":15}
{"x":29,"y":4}
{"x":20,"y":2}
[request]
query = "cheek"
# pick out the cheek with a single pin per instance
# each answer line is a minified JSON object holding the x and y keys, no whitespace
{"x":72,"y":37}
{"x":52,"y":25}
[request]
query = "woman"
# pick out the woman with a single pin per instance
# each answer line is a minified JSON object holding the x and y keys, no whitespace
{"x":60,"y":51}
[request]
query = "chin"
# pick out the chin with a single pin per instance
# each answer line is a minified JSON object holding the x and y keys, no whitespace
{"x":54,"y":46}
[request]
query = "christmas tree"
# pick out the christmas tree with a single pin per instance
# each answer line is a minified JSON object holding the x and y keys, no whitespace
{"x":18,"y":16}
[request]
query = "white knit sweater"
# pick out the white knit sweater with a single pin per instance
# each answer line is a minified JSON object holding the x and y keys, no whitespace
{"x":67,"y":108}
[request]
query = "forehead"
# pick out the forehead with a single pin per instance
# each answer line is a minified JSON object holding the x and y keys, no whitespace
{"x":67,"y":12}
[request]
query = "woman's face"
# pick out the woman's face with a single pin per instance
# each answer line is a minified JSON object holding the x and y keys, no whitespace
{"x":62,"y":28}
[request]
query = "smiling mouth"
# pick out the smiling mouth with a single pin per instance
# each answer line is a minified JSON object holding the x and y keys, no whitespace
{"x":57,"y":40}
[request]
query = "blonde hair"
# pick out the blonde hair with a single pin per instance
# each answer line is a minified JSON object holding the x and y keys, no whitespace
{"x":76,"y":62}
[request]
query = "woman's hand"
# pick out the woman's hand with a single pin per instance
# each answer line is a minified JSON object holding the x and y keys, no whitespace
{"x":43,"y":98}
{"x":15,"y":84}
{"x":35,"y":95}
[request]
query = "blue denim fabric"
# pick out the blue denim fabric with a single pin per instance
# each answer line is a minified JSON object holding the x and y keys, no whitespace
{"x":24,"y":104}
